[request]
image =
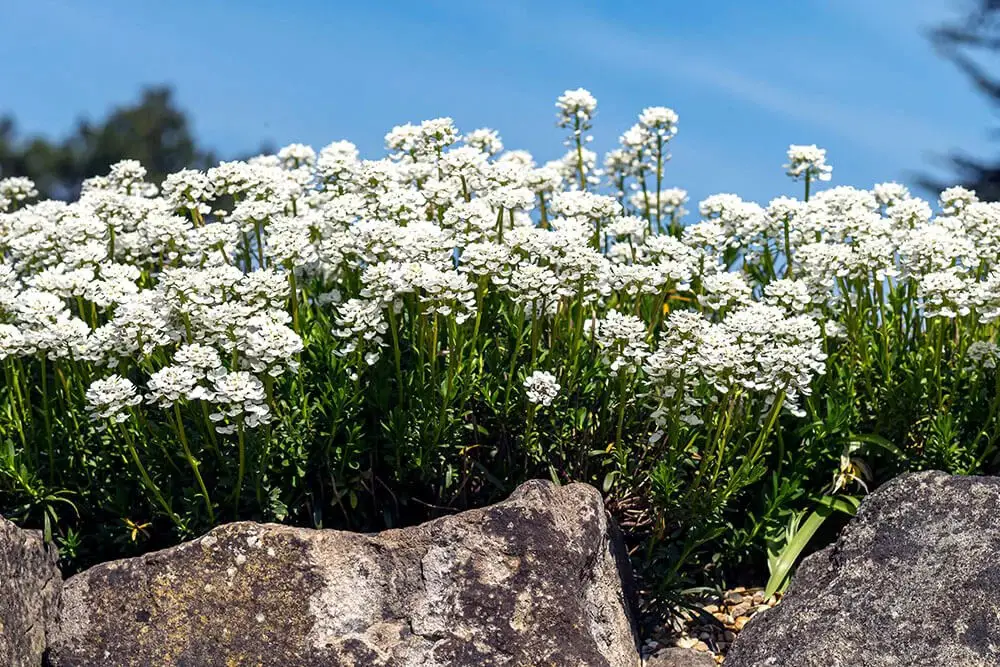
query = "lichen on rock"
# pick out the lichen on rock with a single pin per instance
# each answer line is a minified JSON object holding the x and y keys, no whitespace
{"x":926,"y":536}
{"x":534,"y":580}
{"x":29,"y":595}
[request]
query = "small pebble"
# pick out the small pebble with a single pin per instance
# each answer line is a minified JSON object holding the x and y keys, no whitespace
{"x":741,"y":609}
{"x":688,"y":629}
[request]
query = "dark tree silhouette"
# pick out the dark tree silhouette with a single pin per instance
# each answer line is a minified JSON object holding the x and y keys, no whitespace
{"x":971,"y":43}
{"x":153,"y":130}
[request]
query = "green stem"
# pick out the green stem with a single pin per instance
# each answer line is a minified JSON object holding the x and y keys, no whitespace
{"x":47,"y":417}
{"x":192,"y":462}
{"x":513,"y":360}
{"x":241,"y":447}
{"x":148,"y":481}
{"x":293,"y":286}
{"x":788,"y":250}
{"x":396,"y":353}
{"x":621,"y":409}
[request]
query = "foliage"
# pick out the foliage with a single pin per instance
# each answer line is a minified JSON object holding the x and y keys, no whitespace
{"x":337,"y":342}
{"x":970,"y":43}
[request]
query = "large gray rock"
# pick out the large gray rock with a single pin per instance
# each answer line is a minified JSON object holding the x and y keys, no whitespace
{"x":914,"y":580}
{"x":29,"y":595}
{"x":533,"y":580}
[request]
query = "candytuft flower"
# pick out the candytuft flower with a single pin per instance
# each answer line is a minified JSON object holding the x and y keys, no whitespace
{"x":541,"y":388}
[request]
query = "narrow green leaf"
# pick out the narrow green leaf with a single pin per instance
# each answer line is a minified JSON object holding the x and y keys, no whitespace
{"x":789,"y":555}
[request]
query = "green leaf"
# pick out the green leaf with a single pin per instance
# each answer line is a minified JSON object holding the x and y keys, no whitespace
{"x":872,"y":439}
{"x":609,"y":479}
{"x":554,"y":475}
{"x":782,"y":567}
{"x":490,"y":476}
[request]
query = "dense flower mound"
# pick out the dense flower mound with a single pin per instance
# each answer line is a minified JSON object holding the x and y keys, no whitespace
{"x":344,"y":331}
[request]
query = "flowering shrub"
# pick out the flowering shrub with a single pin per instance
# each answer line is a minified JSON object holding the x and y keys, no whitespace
{"x":334,"y":341}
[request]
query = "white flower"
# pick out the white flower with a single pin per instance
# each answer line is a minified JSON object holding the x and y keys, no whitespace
{"x":240,"y":397}
{"x":268,"y":345}
{"x":111,"y":397}
{"x":12,"y":342}
{"x":16,"y":190}
{"x":174,"y":383}
{"x":809,"y":162}
{"x":337,"y":162}
{"x":792,"y":295}
{"x":361,"y":322}
{"x":586,"y":205}
{"x":294,"y":156}
{"x":659,"y":121}
{"x":489,"y":260}
{"x":541,"y":388}
{"x":891,"y":193}
{"x":982,"y":353}
{"x":289,"y":241}
{"x":576,"y":109}
{"x":756,"y":348}
{"x":201,"y":358}
{"x":724,"y":290}
{"x":954,"y":200}
{"x":945,"y":294}
{"x":909,"y":212}
{"x":485,"y":140}
{"x":188,"y":189}
{"x":622,"y":339}
{"x":126,"y":175}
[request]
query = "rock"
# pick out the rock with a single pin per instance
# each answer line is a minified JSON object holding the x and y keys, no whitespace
{"x":29,"y":595}
{"x":680,"y":657}
{"x":927,"y":532}
{"x":734,"y":597}
{"x":534,"y":580}
{"x":741,"y":609}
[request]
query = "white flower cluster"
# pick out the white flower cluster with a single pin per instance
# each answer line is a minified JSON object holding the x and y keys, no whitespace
{"x":576,"y":109}
{"x":758,"y":349}
{"x":111,"y":398}
{"x":209,"y":281}
{"x":622,"y":339}
{"x":982,"y":353}
{"x":808,"y":162}
{"x":541,"y":388}
{"x":15,"y":191}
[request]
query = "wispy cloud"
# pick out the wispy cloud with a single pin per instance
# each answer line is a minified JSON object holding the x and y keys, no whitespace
{"x":875,"y":129}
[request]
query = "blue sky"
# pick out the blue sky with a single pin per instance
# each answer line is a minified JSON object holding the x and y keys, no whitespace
{"x":858,"y":77}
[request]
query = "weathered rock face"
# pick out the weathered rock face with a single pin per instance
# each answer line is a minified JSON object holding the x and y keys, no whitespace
{"x":29,"y":595}
{"x":914,"y":580}
{"x":532,"y":581}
